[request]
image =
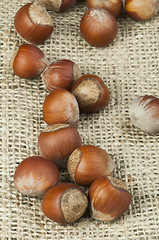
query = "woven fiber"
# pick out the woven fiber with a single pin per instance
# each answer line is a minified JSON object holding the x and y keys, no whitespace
{"x":130,"y":68}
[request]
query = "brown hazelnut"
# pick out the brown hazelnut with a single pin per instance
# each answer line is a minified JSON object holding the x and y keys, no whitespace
{"x":65,"y":203}
{"x":91,"y":93}
{"x":98,"y":27}
{"x":87,"y":163}
{"x":28,"y":61}
{"x":33,"y":23}
{"x":60,"y":106}
{"x":61,"y":74}
{"x":57,"y":142}
{"x":141,"y":10}
{"x":109,"y":198}
{"x":35,"y":175}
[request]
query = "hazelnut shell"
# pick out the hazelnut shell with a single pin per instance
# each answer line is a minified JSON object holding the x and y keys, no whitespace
{"x":109,"y":198}
{"x":87,"y":163}
{"x":64,"y":203}
{"x":57,"y":142}
{"x":33,"y":23}
{"x":91,"y":93}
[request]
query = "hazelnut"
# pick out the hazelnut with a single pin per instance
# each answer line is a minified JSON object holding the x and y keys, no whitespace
{"x":98,"y":27}
{"x":88,"y":163}
{"x":144,"y":113}
{"x":33,"y":23}
{"x":64,"y":203}
{"x":91,"y":93}
{"x":141,"y":10}
{"x":35,"y":175}
{"x":61,"y":74}
{"x":57,"y":142}
{"x":28,"y":61}
{"x":60,"y":106}
{"x":109,"y":198}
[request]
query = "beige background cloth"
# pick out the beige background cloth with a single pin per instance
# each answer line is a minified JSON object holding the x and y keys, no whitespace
{"x":130,"y":68}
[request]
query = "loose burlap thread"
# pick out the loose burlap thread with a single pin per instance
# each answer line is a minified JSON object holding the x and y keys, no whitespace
{"x":130,"y":68}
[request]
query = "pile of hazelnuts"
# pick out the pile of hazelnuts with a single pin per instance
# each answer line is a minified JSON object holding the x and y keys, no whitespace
{"x":98,"y":25}
{"x":60,"y":147}
{"x":60,"y":144}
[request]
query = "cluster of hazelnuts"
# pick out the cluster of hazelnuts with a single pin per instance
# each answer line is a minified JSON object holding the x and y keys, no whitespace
{"x":60,"y":144}
{"x":98,"y":25}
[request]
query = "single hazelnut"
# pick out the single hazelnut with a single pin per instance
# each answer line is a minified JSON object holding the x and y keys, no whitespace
{"x":98,"y":27}
{"x":35,"y":175}
{"x":87,"y":163}
{"x":61,"y":74}
{"x":57,"y":142}
{"x":60,"y":106}
{"x":141,"y":10}
{"x":144,"y":113}
{"x":91,"y":93}
{"x":65,"y":203}
{"x":33,"y":23}
{"x":28,"y":61}
{"x":109,"y":198}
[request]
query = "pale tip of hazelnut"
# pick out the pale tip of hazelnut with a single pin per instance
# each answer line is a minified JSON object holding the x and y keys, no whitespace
{"x":44,"y":63}
{"x":76,"y":72}
{"x":111,"y":166}
{"x":13,"y":57}
{"x":72,"y":110}
{"x":99,"y":215}
{"x":31,"y":181}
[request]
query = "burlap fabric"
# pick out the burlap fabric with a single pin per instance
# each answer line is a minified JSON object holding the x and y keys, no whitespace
{"x":130,"y":67}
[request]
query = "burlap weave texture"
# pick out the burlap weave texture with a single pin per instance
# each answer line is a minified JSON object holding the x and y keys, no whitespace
{"x":130,"y":68}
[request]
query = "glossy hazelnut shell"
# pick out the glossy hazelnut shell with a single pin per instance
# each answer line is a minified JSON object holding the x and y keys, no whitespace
{"x":109,"y":198}
{"x":98,"y":27}
{"x":141,"y":10}
{"x":87,"y":163}
{"x":35,"y":175}
{"x":58,"y":145}
{"x":60,"y":106}
{"x":31,"y":32}
{"x":113,"y":6}
{"x":85,"y":102}
{"x":28,"y":61}
{"x":60,"y":74}
{"x":52,"y":202}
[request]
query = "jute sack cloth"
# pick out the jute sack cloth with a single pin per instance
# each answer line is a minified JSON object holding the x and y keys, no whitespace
{"x":130,"y":68}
